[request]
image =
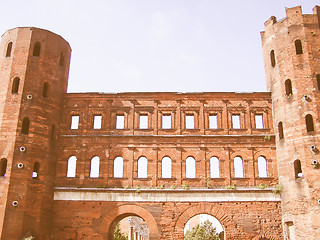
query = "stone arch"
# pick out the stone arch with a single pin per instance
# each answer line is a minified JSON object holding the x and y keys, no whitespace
{"x":120,"y":212}
{"x":202,"y":208}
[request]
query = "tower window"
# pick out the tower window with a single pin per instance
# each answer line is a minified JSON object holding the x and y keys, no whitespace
{"x":166,"y":121}
{"x":259,"y":121}
{"x":118,"y":167}
{"x":3,"y":165}
{"x":213,"y":121}
{"x":120,"y":122}
{"x":166,"y":167}
{"x":36,"y":167}
{"x":142,"y":167}
{"x":143,"y":122}
{"x":95,"y":165}
{"x":9,"y":48}
{"x":280,"y":129}
{"x":97,"y":120}
{"x":74,"y":122}
{"x":262,"y":167}
{"x":61,"y":60}
{"x":272,"y":58}
{"x":238,"y":167}
{"x":72,"y":167}
{"x":190,"y":167}
{"x":309,"y":123}
{"x":214,"y":167}
{"x":297,"y":169}
{"x":318,"y":81}
{"x":25,"y":126}
{"x":298,"y":45}
{"x":288,"y":86}
{"x":15,"y":85}
{"x":189,"y":121}
{"x":236,"y":122}
{"x":36,"y":49}
{"x":45,"y":90}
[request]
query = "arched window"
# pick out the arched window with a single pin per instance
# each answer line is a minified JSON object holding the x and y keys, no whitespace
{"x":25,"y":126}
{"x":272,"y":58}
{"x":45,"y":90}
{"x":36,"y":167}
{"x":288,"y":86}
{"x":166,"y":167}
{"x":142,"y":167}
{"x":190,"y":167}
{"x":72,"y":166}
{"x":280,"y":129}
{"x":36,"y":49}
{"x":309,"y":123}
{"x":298,"y":45}
{"x":95,"y":165}
{"x":53,"y":132}
{"x":262,"y":167}
{"x":3,"y":165}
{"x":61,"y":60}
{"x":9,"y":48}
{"x":297,"y":169}
{"x":238,"y":167}
{"x":118,"y":167}
{"x":15,"y":85}
{"x":214,"y":167}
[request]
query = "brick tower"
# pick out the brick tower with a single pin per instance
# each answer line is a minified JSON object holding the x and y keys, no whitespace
{"x":291,"y":49}
{"x":34,"y":66}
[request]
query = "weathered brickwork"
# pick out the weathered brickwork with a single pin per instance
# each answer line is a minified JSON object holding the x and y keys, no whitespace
{"x":73,"y":165}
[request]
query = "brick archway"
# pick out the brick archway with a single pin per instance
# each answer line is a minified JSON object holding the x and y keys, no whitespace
{"x":216,"y":212}
{"x":123,"y":211}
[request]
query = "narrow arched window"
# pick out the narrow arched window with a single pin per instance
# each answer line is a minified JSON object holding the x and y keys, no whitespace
{"x":238,"y":167}
{"x":298,"y":45}
{"x":214,"y":167}
{"x":53,"y":133}
{"x":166,"y":167}
{"x":280,"y":129}
{"x":15,"y":85}
{"x":288,"y":86}
{"x":72,"y":166}
{"x":262,"y":167}
{"x":309,"y":123}
{"x":25,"y":126}
{"x":61,"y":60}
{"x":318,"y":81}
{"x":9,"y":48}
{"x":36,"y":49}
{"x":118,"y":167}
{"x":36,"y":167}
{"x":190,"y":167}
{"x":45,"y":90}
{"x":95,"y":165}
{"x":297,"y":169}
{"x":3,"y":165}
{"x":272,"y":58}
{"x":142,"y":167}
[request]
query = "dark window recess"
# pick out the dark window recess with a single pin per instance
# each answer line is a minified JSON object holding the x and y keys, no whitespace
{"x":45,"y":90}
{"x":3,"y":165}
{"x":297,"y":169}
{"x":309,"y":123}
{"x":298,"y":45}
{"x":53,"y":133}
{"x":9,"y":48}
{"x":15,"y":85}
{"x":36,"y":49}
{"x":25,"y":126}
{"x":36,"y":167}
{"x":280,"y":129}
{"x":272,"y":58}
{"x":61,"y":60}
{"x":318,"y":81}
{"x":288,"y":86}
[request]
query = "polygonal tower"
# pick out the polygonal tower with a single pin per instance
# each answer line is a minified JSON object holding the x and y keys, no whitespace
{"x":291,"y":49}
{"x":34,"y":66}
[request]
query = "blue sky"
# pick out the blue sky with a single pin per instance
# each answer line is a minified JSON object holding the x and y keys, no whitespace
{"x":156,"y":45}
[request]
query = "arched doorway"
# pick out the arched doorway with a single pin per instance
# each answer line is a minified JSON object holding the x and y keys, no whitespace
{"x":130,"y":228}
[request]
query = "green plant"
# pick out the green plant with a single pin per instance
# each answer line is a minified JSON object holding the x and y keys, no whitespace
{"x":231,"y":187}
{"x":127,"y":187}
{"x":208,"y":183}
{"x":173,"y":186}
{"x":101,"y":186}
{"x":138,"y":189}
{"x":262,"y":186}
{"x":267,"y":137}
{"x":80,"y":186}
{"x":185,"y":186}
{"x":277,"y":189}
{"x":161,"y":186}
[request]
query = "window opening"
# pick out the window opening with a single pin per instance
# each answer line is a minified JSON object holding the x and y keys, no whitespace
{"x":290,"y":230}
{"x":53,"y":132}
{"x":272,"y":58}
{"x":3,"y":169}
{"x":236,"y":122}
{"x":259,"y":121}
{"x":297,"y":169}
{"x":143,"y":122}
{"x":318,"y":81}
{"x":166,"y":121}
{"x":36,"y":49}
{"x":280,"y":129}
{"x":298,"y":45}
{"x":15,"y":85}
{"x":262,"y":167}
{"x":25,"y":126}
{"x":97,"y":120}
{"x":190,"y":167}
{"x":95,"y":165}
{"x":214,"y":167}
{"x":213,"y":121}
{"x":9,"y":48}
{"x":288,"y":86}
{"x":189,"y":121}
{"x":166,"y":167}
{"x":36,"y":167}
{"x":45,"y":90}
{"x":142,"y":167}
{"x":238,"y":167}
{"x":61,"y":60}
{"x":118,"y":167}
{"x":74,"y":122}
{"x":72,"y":166}
{"x":309,"y":123}
{"x":120,"y":122}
